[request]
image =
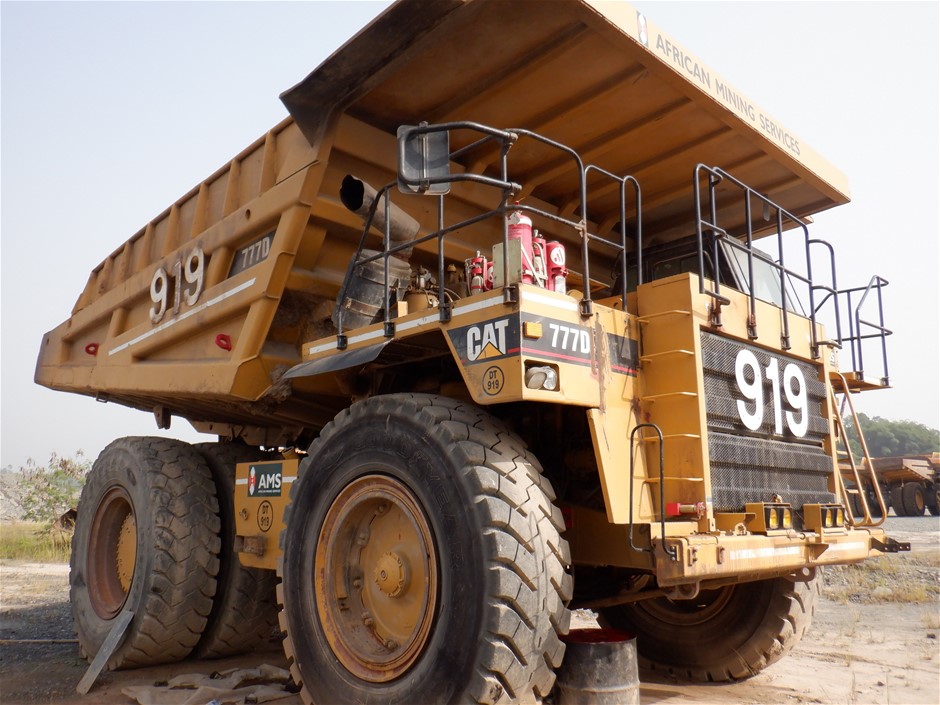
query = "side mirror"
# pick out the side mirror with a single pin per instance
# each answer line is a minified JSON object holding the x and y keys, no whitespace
{"x":423,"y":160}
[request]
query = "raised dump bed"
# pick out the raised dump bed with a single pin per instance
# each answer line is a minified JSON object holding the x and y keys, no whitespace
{"x":200,"y":312}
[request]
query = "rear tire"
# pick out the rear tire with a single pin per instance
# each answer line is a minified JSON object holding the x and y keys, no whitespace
{"x":873,"y":507}
{"x":897,"y":501}
{"x":244,"y":611}
{"x":933,"y":500}
{"x":146,"y":539}
{"x":727,"y":634}
{"x":855,"y":503}
{"x":913,"y":498}
{"x":422,"y":560}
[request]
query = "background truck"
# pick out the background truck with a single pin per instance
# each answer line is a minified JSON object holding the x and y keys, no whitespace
{"x":909,"y":484}
{"x":484,"y":336}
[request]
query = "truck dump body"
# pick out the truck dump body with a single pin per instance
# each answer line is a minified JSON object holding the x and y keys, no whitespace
{"x":236,"y":319}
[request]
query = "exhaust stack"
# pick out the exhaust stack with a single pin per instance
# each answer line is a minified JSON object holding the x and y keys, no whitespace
{"x":358,"y":196}
{"x":365,"y":293}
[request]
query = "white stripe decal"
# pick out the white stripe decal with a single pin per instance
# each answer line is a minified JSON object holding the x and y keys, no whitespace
{"x":751,"y":553}
{"x":183,"y":316}
{"x":408,"y":325}
{"x":857,"y":545}
{"x":323,"y":347}
{"x":551,"y":301}
{"x":477,"y":306}
{"x":286,"y":478}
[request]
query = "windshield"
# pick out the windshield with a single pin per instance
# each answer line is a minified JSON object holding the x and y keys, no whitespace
{"x":766,"y":278}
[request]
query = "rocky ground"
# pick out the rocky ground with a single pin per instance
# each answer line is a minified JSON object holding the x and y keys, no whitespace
{"x":857,"y":652}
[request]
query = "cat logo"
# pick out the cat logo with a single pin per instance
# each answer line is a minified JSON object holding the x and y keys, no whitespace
{"x":487,"y":340}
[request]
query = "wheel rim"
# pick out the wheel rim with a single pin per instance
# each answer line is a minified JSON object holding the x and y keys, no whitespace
{"x":376,"y":578}
{"x":112,"y":553}
{"x":685,"y":613}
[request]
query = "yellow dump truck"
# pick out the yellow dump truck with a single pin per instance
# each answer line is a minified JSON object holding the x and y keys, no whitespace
{"x":484,"y":335}
{"x":909,"y":484}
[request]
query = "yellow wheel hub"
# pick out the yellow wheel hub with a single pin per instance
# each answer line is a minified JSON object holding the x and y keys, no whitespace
{"x":112,"y":552}
{"x":390,"y":574}
{"x":127,"y":552}
{"x":375,"y":578}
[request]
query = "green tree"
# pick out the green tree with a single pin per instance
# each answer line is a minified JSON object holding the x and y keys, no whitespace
{"x":50,"y":490}
{"x":887,"y":438}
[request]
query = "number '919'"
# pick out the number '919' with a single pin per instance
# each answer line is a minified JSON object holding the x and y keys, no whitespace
{"x":750,"y":375}
{"x":190,"y":269}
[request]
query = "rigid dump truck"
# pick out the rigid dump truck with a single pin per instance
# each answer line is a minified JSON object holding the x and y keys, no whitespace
{"x":484,"y":335}
{"x":909,"y":484}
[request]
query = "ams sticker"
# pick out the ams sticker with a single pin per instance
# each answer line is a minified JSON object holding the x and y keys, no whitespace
{"x":265,"y":480}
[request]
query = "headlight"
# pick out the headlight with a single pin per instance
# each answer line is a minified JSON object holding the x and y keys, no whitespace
{"x":541,"y":377}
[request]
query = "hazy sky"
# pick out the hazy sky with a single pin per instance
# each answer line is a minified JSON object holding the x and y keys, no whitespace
{"x":112,"y":111}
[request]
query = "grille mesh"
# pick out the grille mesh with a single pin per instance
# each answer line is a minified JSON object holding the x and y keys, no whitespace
{"x":752,"y":466}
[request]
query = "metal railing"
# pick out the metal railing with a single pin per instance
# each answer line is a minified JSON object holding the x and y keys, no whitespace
{"x":825,"y":297}
{"x":507,"y":188}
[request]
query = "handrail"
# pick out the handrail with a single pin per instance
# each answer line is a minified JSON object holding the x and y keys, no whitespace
{"x":877,"y":283}
{"x":709,"y":233}
{"x":671,"y":551}
{"x":506,"y":139}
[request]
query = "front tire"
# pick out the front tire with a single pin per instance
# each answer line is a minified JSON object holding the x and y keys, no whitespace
{"x":914,"y":500}
{"x":146,"y":539}
{"x":422,"y":560}
{"x":727,"y":634}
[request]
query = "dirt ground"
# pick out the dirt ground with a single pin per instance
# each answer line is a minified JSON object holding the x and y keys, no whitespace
{"x":854,"y":654}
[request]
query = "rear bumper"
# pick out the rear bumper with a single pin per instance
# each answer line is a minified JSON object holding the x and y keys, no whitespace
{"x":705,"y":557}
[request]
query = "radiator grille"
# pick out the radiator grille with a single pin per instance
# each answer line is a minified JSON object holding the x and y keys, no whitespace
{"x":754,"y":464}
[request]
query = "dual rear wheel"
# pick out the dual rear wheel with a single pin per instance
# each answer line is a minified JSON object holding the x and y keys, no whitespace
{"x":910,"y":499}
{"x":154,"y":535}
